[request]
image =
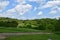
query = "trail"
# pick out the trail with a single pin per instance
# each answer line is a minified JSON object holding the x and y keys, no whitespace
{"x":5,"y":35}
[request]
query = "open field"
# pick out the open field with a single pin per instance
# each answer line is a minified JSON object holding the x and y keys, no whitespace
{"x":17,"y":30}
{"x":12,"y":30}
{"x":35,"y":37}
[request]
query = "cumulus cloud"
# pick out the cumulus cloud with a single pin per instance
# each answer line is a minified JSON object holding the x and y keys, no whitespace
{"x":38,"y":1}
{"x":15,"y":12}
{"x":40,"y":13}
{"x":20,"y":9}
{"x":20,"y":1}
{"x":53,"y":12}
{"x":3,"y":4}
{"x":4,"y":15}
{"x":8,"y":13}
{"x":51,"y":4}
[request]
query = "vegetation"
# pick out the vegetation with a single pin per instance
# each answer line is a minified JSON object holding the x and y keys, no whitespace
{"x":52,"y":25}
{"x":35,"y":37}
{"x":35,"y":25}
{"x":13,"y":30}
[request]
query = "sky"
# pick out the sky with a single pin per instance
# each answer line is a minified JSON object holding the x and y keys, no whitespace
{"x":30,"y":9}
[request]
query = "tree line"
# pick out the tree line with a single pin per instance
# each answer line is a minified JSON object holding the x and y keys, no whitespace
{"x":38,"y":24}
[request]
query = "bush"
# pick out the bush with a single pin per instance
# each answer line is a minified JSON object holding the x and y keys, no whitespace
{"x":21,"y":25}
{"x":28,"y":25}
{"x":50,"y":27}
{"x":8,"y":23}
{"x":41,"y":27}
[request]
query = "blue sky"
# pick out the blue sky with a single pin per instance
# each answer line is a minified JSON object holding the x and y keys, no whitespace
{"x":30,"y":9}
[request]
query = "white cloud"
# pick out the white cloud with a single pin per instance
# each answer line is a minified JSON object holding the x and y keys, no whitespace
{"x":15,"y":12}
{"x":11,"y":11}
{"x":40,"y":13}
{"x":53,"y":12}
{"x":35,"y":8}
{"x":38,"y":1}
{"x":51,"y":4}
{"x":3,"y":4}
{"x":58,"y":9}
{"x":22,"y":9}
{"x":19,"y":9}
{"x":20,"y":1}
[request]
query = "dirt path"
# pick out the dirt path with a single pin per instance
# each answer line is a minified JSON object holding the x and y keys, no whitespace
{"x":4,"y":35}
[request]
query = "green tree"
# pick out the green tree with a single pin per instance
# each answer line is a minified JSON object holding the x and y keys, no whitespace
{"x":57,"y":25}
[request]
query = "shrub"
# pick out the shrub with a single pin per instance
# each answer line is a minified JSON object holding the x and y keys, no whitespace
{"x":8,"y":23}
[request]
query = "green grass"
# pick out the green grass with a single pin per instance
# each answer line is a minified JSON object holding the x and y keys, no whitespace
{"x":35,"y":37}
{"x":12,"y":30}
{"x":17,"y":30}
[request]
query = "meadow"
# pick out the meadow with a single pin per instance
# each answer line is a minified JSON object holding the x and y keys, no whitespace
{"x":35,"y":37}
{"x":13,"y":30}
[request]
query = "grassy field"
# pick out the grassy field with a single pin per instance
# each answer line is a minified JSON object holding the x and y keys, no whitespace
{"x":35,"y":37}
{"x":17,"y":30}
{"x":12,"y":30}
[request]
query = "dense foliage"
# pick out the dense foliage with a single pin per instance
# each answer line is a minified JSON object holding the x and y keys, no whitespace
{"x":39,"y":24}
{"x":6,"y":22}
